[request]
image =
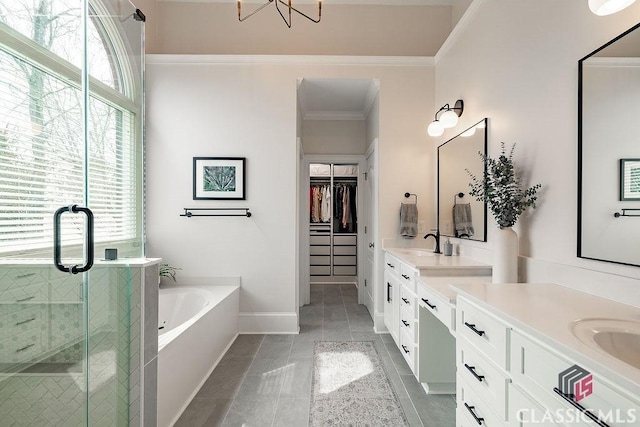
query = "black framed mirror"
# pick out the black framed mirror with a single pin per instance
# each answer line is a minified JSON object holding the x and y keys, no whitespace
{"x":608,"y":151}
{"x":459,"y":214}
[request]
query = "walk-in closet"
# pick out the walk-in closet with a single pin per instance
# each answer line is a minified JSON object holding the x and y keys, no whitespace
{"x":333,"y":222}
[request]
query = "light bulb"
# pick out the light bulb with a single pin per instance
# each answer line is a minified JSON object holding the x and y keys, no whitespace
{"x":435,"y":128}
{"x":607,"y":7}
{"x":468,"y":132}
{"x":449,"y":119}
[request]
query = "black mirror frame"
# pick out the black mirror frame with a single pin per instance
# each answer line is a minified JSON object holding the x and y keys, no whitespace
{"x":580,"y":148}
{"x":486,"y":138}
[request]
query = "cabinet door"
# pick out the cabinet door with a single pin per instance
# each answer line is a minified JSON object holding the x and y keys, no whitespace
{"x":391,"y":313}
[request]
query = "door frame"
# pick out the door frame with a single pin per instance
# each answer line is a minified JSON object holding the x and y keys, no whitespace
{"x":304,"y":285}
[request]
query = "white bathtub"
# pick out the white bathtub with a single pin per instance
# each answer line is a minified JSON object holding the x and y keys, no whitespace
{"x":198,"y":324}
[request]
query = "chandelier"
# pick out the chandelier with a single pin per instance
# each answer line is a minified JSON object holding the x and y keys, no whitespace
{"x":286,"y":6}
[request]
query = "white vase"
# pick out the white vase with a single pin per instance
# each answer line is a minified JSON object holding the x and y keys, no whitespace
{"x":505,"y":256}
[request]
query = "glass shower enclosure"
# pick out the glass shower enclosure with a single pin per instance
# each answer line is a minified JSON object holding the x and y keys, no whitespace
{"x":71,"y":180}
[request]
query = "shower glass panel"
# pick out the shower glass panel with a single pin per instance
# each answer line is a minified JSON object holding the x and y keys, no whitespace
{"x":71,"y":132}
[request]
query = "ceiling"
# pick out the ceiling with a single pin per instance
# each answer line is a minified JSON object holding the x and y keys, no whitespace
{"x":336,"y":99}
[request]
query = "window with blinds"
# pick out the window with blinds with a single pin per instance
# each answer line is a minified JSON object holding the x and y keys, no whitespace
{"x":45,"y":163}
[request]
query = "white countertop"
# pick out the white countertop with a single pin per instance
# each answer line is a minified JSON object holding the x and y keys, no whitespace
{"x":548,"y":311}
{"x":120,"y":262}
{"x":444,"y":285}
{"x":434,"y":261}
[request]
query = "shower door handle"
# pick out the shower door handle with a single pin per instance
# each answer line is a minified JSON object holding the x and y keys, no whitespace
{"x":57,"y":246}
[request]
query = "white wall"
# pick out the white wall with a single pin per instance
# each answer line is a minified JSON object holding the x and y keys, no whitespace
{"x":517,"y":64}
{"x":246,"y":107}
{"x":334,"y":136}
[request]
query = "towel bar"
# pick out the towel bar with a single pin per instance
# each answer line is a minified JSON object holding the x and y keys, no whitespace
{"x":624,"y":213}
{"x":222,"y":212}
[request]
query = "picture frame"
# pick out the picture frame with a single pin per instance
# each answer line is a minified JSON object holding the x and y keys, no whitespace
{"x":219,"y":178}
{"x":629,"y":179}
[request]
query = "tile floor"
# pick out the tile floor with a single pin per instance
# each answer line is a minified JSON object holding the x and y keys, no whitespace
{"x":265,"y":380}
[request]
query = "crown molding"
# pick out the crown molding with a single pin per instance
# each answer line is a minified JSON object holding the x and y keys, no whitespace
{"x":381,"y":61}
{"x":334,"y":115}
{"x":458,"y":30}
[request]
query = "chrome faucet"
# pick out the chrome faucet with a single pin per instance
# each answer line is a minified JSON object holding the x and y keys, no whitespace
{"x":436,"y":236}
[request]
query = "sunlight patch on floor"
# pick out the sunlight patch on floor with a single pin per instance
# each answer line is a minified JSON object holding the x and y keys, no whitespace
{"x":338,"y":369}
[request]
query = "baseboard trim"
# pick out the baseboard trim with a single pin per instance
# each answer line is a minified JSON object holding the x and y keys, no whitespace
{"x":268,"y":323}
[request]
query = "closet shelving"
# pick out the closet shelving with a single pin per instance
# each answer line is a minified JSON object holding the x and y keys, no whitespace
{"x":333,"y":230}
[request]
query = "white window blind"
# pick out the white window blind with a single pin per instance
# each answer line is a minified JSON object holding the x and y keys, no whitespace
{"x":42,"y":155}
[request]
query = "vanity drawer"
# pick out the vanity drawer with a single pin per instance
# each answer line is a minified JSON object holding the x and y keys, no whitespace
{"x":408,"y":276}
{"x":483,"y":376}
{"x":391,"y":263}
{"x":483,"y":330}
{"x":472,"y":409}
{"x":524,"y":411}
{"x":17,"y":318}
{"x":442,"y":309}
{"x":23,"y":347}
{"x":408,"y":349}
{"x":408,"y":301}
{"x":408,"y":324}
{"x":538,"y":370}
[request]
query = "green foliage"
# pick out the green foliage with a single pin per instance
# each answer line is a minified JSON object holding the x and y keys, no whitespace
{"x":502,"y":189}
{"x":169,"y":271}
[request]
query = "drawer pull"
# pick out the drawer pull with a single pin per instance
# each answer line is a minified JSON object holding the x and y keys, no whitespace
{"x":25,"y":321}
{"x":388,"y":292}
{"x":471,"y":409}
{"x":579,"y":407}
{"x":405,"y":276}
{"x":472,"y":369}
{"x":24,"y":348}
{"x":22,"y":276}
{"x":431,"y":306}
{"x":472,"y":326}
{"x":406,"y":301}
{"x":406,"y":350}
{"x":25,"y":299}
{"x":391,"y":265}
{"x":405,"y":322}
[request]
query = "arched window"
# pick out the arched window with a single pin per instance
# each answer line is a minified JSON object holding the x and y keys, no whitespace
{"x":45,"y":160}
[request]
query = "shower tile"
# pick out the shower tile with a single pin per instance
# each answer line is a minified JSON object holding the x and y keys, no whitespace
{"x":150,"y":311}
{"x":151,"y":393}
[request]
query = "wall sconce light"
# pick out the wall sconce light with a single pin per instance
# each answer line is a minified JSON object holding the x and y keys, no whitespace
{"x":448,"y":119}
{"x":607,"y":7}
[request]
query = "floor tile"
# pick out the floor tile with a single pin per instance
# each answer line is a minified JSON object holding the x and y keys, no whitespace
{"x":251,"y":411}
{"x":301,"y":349}
{"x":245,"y":346}
{"x":204,"y":412}
{"x":268,"y":384}
{"x":292,"y":412}
{"x":297,"y":379}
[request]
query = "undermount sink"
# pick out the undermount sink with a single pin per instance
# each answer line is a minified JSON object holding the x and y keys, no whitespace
{"x":616,"y":337}
{"x":415,"y":252}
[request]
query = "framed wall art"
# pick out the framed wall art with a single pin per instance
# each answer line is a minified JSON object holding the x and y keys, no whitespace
{"x":219,"y":178}
{"x":629,"y":179}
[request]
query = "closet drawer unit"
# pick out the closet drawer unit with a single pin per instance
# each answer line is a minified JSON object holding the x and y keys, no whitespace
{"x":345,"y":270}
{"x":344,"y":250}
{"x":344,"y":260}
{"x":537,"y":369}
{"x":472,"y":410}
{"x":408,"y":349}
{"x":437,"y":305}
{"x":408,"y":324}
{"x":319,"y":250}
{"x":483,"y":376}
{"x":319,"y":228}
{"x":320,"y":260}
{"x":483,"y":330}
{"x":319,"y":240}
{"x":349,"y":240}
{"x":320,"y":270}
{"x":408,"y":301}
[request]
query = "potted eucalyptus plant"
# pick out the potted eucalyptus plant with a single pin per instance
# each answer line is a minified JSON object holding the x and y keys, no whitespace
{"x":502,"y":189}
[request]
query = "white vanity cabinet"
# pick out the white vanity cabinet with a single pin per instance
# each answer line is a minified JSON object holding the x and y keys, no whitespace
{"x":508,"y":376}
